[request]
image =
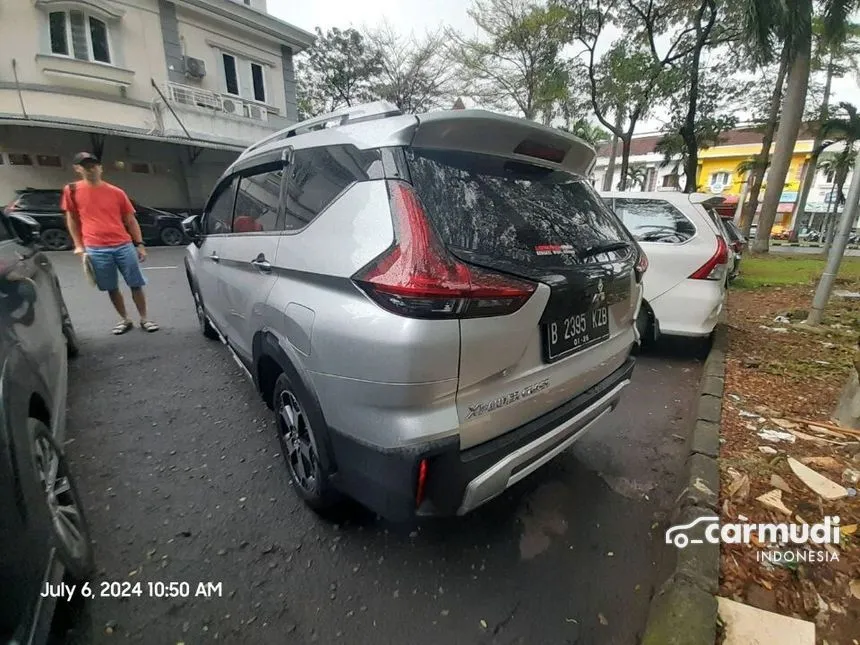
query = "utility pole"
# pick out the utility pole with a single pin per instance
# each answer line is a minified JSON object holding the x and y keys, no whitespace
{"x":849,"y":216}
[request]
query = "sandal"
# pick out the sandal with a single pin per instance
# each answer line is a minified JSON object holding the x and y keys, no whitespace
{"x":121,"y":327}
{"x":148,"y":325}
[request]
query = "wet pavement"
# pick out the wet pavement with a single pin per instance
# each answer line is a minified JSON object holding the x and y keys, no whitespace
{"x":179,"y":467}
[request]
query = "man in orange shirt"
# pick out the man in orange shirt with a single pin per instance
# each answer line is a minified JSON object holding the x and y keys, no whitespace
{"x":101,"y":221}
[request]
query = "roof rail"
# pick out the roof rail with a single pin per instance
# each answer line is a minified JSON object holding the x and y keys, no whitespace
{"x":344,"y":116}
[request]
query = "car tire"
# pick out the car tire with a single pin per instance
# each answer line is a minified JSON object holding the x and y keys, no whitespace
{"x":298,"y":421}
{"x":171,"y":236}
{"x":55,"y":239}
{"x":206,"y":327}
{"x":645,"y":326}
{"x":73,"y":348}
{"x":70,"y":532}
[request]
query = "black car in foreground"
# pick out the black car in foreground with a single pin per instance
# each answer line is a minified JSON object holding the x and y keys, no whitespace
{"x":44,"y":538}
{"x":158,"y":227}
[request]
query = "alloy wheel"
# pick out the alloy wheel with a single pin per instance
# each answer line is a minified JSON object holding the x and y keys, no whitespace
{"x":297,"y":441}
{"x":171,"y":236}
{"x":55,"y":239}
{"x":63,"y":505}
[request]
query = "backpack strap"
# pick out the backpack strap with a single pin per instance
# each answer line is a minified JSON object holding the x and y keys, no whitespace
{"x":73,"y":187}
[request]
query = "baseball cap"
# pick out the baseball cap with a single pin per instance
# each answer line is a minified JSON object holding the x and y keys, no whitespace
{"x":83,"y":157}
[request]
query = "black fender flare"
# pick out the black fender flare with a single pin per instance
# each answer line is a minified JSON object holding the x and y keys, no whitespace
{"x":266,"y":344}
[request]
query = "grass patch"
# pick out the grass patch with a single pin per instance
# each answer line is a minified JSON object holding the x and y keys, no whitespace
{"x":776,"y":271}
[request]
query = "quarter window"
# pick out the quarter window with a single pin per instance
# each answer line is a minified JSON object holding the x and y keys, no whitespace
{"x":257,"y":202}
{"x":219,"y":216}
{"x":319,"y":176}
{"x":654,"y":220}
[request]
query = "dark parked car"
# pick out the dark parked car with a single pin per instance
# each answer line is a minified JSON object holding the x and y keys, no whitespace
{"x":158,"y":227}
{"x":43,"y":532}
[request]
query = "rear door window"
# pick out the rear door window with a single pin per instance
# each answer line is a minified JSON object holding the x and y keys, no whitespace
{"x":257,"y":202}
{"x":499,"y":209}
{"x":654,"y":220}
{"x":40,"y":201}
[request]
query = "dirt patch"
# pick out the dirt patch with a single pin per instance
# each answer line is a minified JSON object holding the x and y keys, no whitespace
{"x":777,"y":373}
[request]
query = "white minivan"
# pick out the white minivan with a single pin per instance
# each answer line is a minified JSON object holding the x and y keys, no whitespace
{"x":689,"y":260}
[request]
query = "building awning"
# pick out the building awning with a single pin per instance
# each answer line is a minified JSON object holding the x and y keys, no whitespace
{"x":119,"y":131}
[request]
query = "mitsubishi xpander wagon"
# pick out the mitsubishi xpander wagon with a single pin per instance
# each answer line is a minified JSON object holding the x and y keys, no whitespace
{"x":434,"y":306}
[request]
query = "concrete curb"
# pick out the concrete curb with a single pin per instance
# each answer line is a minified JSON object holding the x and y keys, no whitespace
{"x":684,"y":609}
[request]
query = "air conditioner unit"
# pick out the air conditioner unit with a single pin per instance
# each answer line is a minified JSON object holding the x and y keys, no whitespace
{"x":256,"y":112}
{"x":194,"y":67}
{"x":230,"y":106}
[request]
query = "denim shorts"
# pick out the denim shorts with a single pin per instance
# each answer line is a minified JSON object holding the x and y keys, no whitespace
{"x":107,"y":259}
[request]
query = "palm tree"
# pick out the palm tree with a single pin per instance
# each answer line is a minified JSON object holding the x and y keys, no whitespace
{"x":836,"y":165}
{"x":594,"y":135}
{"x":637,"y":175}
{"x":790,"y":23}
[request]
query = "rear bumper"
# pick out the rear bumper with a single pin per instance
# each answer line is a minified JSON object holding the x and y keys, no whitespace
{"x":691,"y":308}
{"x":460,"y":481}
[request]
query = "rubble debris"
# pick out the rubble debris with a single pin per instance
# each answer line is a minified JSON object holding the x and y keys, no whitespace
{"x":818,"y":483}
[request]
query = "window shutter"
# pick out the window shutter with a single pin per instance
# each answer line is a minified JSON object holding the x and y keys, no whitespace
{"x":79,"y":35}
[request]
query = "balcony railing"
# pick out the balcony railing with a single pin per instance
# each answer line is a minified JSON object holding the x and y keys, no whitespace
{"x":208,"y":100}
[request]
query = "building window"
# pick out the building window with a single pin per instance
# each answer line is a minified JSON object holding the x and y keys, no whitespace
{"x":258,"y":82}
{"x":73,"y":33}
{"x":49,"y":161}
{"x":670,"y":181}
{"x":230,"y":75}
{"x":99,"y":40}
{"x":20,"y":159}
{"x":141,"y":168}
{"x":60,"y":36}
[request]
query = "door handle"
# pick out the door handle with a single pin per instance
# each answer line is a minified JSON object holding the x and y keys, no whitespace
{"x":262,"y":264}
{"x":214,"y":257}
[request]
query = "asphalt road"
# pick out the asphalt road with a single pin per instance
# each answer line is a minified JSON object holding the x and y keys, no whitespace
{"x":179,"y":468}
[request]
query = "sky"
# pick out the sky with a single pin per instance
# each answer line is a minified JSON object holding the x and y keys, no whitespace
{"x":422,"y":15}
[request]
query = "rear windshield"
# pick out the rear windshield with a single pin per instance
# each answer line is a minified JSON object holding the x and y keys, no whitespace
{"x":41,"y":201}
{"x":654,"y":220}
{"x":507,"y":210}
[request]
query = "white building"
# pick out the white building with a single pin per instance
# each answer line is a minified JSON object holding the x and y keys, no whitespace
{"x":167,"y":92}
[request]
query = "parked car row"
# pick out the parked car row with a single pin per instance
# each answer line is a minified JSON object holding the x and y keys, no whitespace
{"x":43,"y":531}
{"x":43,"y":205}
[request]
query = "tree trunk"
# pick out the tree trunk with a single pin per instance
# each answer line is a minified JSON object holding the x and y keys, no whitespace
{"x":757,"y":176}
{"x":625,"y":160}
{"x":833,"y":222}
{"x":847,"y":413}
{"x":688,"y":129}
{"x":812,"y":165}
{"x":786,"y":138}
{"x":610,"y":169}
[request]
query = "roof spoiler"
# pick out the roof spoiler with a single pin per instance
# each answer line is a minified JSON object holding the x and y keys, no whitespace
{"x":491,"y":133}
{"x":344,"y":116}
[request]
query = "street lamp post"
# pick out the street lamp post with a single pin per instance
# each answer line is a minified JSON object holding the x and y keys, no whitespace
{"x":849,"y":216}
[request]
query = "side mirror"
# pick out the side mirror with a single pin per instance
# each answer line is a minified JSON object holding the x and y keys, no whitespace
{"x":191,"y":226}
{"x":25,"y":227}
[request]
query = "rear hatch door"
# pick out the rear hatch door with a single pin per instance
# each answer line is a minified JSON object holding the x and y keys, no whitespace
{"x":496,"y":204}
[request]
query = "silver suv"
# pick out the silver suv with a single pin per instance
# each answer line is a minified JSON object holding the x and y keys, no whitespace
{"x":434,"y":306}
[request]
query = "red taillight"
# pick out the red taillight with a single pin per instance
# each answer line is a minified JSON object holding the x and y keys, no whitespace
{"x":418,"y":278}
{"x":422,"y":482}
{"x":714,"y":268}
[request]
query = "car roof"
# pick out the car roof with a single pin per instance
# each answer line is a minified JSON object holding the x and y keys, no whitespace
{"x":382,"y":124}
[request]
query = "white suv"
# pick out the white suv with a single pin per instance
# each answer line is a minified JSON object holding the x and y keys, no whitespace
{"x":688,"y":256}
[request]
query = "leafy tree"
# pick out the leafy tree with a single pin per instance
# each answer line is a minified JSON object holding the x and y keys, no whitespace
{"x":594,"y":135}
{"x":637,"y":175}
{"x":792,"y":24}
{"x":515,"y":64}
{"x":339,"y":70}
{"x":415,"y":73}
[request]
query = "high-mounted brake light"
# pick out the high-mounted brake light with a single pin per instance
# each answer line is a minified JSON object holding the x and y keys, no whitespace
{"x":715,"y":267}
{"x":537,"y":150}
{"x":419,"y":278}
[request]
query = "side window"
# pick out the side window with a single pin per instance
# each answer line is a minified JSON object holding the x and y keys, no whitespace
{"x":257,"y":202}
{"x":319,"y":175}
{"x":654,"y":220}
{"x":219,"y":215}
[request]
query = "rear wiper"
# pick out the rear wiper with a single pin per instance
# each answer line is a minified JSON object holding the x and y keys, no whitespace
{"x":597,"y":249}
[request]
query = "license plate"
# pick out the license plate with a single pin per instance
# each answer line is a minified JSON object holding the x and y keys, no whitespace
{"x":576,"y":332}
